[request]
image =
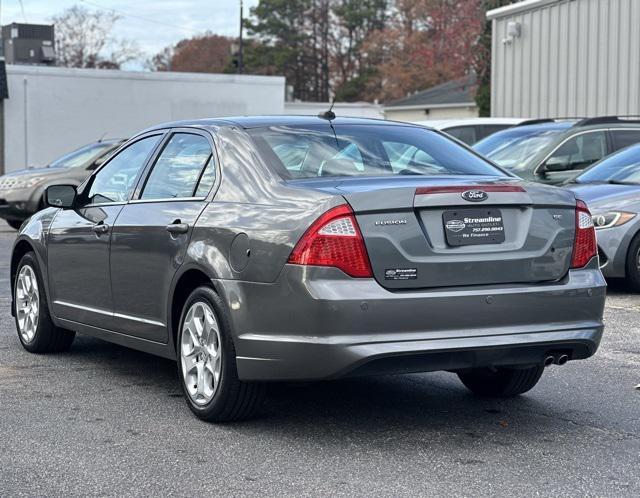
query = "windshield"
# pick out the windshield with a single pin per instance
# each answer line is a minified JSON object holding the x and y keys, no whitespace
{"x":365,"y":150}
{"x":81,"y":156}
{"x":514,"y":148}
{"x":623,"y":167}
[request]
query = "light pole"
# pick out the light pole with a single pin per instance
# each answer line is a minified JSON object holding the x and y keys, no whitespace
{"x":241,"y":47}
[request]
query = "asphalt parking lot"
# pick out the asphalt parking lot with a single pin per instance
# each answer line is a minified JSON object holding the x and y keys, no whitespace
{"x":104,"y":420}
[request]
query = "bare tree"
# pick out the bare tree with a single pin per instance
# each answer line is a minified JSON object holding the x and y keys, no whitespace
{"x":162,"y":60}
{"x":84,"y":39}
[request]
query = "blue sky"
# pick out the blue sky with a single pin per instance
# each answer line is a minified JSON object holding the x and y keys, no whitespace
{"x":153,"y":24}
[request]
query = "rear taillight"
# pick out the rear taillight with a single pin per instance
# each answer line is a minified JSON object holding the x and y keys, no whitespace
{"x":335,"y":240}
{"x":584,"y":245}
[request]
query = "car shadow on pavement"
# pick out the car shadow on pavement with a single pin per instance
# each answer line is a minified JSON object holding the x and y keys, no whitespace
{"x":618,"y":286}
{"x":400,"y":403}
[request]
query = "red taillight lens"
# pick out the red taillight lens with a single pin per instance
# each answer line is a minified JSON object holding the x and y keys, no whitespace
{"x":584,"y":245}
{"x":335,"y":240}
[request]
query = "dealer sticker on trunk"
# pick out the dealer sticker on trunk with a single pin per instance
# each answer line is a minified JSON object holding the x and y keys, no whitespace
{"x":401,"y":274}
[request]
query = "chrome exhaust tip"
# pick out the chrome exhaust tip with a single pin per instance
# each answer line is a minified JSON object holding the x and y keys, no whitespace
{"x":562,"y":359}
{"x":549,"y":360}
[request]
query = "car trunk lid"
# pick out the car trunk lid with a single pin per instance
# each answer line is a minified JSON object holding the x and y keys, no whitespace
{"x":437,"y":233}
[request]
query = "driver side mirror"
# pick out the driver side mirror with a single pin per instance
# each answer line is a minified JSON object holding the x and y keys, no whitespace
{"x":557,"y":164}
{"x":60,"y":196}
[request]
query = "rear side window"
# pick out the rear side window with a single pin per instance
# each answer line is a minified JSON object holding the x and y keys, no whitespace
{"x":624,"y":138}
{"x":466,"y":134}
{"x":490,"y":130}
{"x":364,"y":150}
{"x":180,"y":168}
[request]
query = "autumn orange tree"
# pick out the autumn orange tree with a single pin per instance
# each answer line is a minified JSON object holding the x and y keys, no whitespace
{"x":351,"y":49}
{"x":206,"y":53}
{"x":425,"y":42}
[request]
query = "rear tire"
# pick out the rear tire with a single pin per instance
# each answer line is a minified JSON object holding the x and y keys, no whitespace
{"x":632,"y":267}
{"x":36,"y":330}
{"x":14,"y":224}
{"x":207,"y":362}
{"x":501,"y":382}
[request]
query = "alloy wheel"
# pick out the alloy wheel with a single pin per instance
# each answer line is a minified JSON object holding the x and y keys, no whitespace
{"x":201,"y":353}
{"x":27,"y":303}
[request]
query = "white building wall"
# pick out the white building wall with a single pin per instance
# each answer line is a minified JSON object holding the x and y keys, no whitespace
{"x":573,"y":58}
{"x":51,"y":111}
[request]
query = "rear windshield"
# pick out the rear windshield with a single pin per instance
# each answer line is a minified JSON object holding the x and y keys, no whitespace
{"x":365,"y":150}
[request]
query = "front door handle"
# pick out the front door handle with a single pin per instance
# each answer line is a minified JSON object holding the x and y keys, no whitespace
{"x":177,"y":228}
{"x":100,"y":228}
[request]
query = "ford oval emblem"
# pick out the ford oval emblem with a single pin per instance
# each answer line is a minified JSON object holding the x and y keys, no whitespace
{"x":474,"y":195}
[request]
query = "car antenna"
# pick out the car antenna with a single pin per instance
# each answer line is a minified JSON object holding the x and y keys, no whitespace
{"x":329,"y":115}
{"x":102,"y":136}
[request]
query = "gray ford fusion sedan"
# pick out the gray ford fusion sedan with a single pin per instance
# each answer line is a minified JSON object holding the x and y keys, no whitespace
{"x":302,"y":248}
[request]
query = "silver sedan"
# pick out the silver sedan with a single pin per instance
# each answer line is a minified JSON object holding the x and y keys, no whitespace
{"x":611,"y":189}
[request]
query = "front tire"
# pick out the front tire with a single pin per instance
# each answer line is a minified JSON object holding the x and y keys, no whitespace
{"x":36,"y":330}
{"x":501,"y":382}
{"x":207,"y":362}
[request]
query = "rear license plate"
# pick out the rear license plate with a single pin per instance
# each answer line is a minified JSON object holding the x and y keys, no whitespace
{"x":464,"y":227}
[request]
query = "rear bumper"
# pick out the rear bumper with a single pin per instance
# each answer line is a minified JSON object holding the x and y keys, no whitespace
{"x":315,"y":323}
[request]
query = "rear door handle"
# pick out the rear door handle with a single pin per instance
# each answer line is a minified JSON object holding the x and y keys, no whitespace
{"x":100,"y":228}
{"x":177,"y":228}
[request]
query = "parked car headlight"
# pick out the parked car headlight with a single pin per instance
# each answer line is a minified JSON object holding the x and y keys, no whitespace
{"x":612,"y":219}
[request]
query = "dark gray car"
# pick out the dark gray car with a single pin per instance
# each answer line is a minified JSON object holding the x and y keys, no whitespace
{"x":294,"y":248}
{"x":22,"y":191}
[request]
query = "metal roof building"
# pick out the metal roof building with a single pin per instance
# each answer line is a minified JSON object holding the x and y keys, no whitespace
{"x":554,"y":58}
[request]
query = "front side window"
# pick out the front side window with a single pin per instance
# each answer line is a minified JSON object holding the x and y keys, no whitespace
{"x":364,"y":150}
{"x":579,"y":152}
{"x":180,"y":168}
{"x":116,"y":180}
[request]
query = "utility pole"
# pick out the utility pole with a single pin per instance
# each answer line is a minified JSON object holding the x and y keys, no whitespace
{"x":241,"y":47}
